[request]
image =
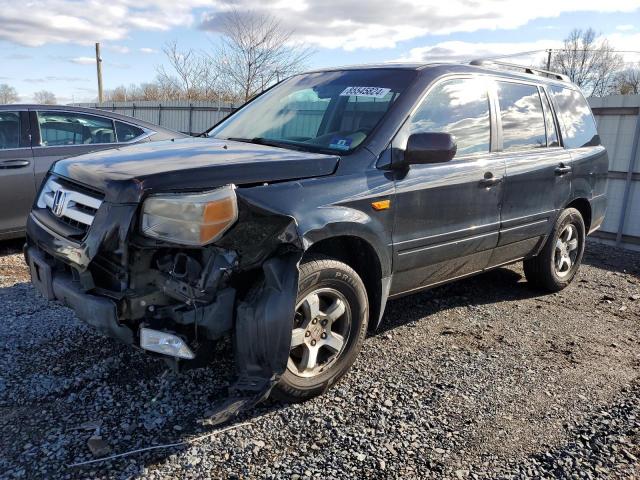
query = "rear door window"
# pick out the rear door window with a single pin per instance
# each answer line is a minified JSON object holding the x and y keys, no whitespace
{"x":70,"y":128}
{"x":459,"y":107}
{"x":126,"y":132}
{"x":577,"y":124}
{"x":522,"y":117}
{"x":9,"y":130}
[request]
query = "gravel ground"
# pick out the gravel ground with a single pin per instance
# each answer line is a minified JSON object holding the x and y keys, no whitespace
{"x":484,"y":378}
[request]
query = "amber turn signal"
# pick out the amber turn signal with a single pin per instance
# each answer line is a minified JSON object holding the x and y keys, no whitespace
{"x":381,"y":205}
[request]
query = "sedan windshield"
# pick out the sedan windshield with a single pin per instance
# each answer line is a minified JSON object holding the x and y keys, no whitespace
{"x":326,"y":111}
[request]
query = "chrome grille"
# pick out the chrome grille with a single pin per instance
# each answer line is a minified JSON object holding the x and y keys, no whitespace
{"x":69,"y":204}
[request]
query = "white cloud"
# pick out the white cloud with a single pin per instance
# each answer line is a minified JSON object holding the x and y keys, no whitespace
{"x":455,"y":51}
{"x":350,"y":24}
{"x":92,"y":61}
{"x":627,"y":43}
{"x":345,"y":24}
{"x":52,"y":78}
{"x":18,"y":56}
{"x":118,"y":48}
{"x":625,"y":28}
{"x":148,"y":50}
{"x":38,"y":22}
{"x":83,"y":60}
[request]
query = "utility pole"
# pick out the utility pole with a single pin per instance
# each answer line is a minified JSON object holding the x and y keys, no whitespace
{"x":99,"y":67}
{"x":549,"y":59}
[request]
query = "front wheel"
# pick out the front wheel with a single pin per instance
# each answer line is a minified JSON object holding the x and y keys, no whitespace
{"x":330,"y":324}
{"x":557,"y":264}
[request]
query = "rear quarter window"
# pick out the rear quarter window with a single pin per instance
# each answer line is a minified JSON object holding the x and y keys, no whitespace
{"x":577,"y":125}
{"x":126,"y":132}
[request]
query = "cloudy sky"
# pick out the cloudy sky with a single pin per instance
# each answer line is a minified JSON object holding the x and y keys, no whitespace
{"x":49,"y":44}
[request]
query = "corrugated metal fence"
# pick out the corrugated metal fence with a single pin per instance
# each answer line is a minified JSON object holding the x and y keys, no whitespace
{"x":182,"y":116}
{"x":618,"y":120}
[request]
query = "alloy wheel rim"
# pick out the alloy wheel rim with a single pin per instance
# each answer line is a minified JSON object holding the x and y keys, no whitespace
{"x":566,"y":250}
{"x":321,"y":330}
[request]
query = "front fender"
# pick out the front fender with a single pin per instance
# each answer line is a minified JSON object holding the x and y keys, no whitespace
{"x":265,"y":319}
{"x":262,"y":337}
{"x":342,"y":221}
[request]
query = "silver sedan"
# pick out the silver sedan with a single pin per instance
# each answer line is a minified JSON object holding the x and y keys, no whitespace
{"x":33,"y":137}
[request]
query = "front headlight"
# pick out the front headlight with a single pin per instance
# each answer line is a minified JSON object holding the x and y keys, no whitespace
{"x":196,"y":219}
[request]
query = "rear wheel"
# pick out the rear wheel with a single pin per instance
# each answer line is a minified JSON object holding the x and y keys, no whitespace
{"x":557,"y":264}
{"x":329,"y":327}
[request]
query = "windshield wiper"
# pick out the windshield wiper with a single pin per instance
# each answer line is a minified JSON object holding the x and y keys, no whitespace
{"x":266,"y":141}
{"x":284,"y":144}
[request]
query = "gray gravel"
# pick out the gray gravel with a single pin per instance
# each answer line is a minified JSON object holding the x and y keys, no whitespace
{"x":484,"y":378}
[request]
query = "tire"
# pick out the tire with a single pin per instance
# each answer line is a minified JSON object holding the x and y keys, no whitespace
{"x":548,"y":270}
{"x":333,"y":283}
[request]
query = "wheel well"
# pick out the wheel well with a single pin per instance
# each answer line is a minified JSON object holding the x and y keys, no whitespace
{"x":584,"y":207}
{"x":362,"y":257}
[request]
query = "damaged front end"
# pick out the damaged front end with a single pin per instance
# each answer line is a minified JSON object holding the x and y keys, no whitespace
{"x":171,"y":299}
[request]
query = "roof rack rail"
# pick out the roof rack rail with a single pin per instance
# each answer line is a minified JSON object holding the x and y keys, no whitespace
{"x":515,"y":66}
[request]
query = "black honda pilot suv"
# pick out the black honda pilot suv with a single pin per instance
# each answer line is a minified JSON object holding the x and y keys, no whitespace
{"x":296,"y":218}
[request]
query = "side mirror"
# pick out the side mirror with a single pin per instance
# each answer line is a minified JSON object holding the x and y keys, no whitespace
{"x":430,"y":147}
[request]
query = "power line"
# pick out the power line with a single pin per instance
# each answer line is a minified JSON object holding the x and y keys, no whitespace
{"x":518,"y":54}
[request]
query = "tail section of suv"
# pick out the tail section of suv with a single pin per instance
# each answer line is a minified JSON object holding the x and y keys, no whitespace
{"x":301,"y":214}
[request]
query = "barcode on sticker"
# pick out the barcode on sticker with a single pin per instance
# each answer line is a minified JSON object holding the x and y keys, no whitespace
{"x":374,"y":92}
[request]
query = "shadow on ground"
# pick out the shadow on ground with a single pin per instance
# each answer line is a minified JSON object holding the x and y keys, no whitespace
{"x":11,"y":247}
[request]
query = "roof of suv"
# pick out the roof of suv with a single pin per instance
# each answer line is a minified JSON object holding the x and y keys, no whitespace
{"x":452,"y":68}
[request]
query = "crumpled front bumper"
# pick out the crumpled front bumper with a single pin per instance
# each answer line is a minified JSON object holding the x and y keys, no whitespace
{"x":262,"y":325}
{"x":99,"y":312}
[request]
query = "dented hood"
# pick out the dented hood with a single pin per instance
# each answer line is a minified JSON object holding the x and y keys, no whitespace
{"x":125,"y":174}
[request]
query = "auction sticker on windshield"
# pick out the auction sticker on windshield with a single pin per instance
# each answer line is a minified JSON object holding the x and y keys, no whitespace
{"x":373,"y":92}
{"x":340,"y":143}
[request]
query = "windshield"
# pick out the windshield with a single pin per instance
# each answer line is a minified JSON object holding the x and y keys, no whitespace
{"x":326,"y":111}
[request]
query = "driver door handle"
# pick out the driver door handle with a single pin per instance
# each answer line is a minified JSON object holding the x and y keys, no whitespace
{"x":7,"y":164}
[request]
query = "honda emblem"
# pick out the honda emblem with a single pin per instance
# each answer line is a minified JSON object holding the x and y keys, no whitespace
{"x":59,"y":203}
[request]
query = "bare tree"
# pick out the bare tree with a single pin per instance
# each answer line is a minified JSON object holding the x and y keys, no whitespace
{"x":255,"y":51}
{"x":193,"y":74}
{"x":45,"y":97}
{"x":149,"y":91}
{"x":627,"y":82}
{"x":168,"y":89}
{"x":118,"y":94}
{"x":589,"y":63}
{"x":8,"y":94}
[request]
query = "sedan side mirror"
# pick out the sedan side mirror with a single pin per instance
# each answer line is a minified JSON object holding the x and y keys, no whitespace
{"x":429,"y":147}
